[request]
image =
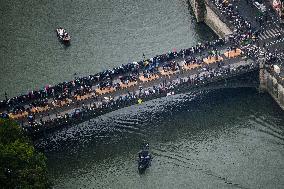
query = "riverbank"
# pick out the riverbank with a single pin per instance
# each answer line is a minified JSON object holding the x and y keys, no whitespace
{"x":22,"y":166}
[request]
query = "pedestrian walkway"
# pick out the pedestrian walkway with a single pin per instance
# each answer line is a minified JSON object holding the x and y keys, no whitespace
{"x":274,"y":42}
{"x":271,"y":33}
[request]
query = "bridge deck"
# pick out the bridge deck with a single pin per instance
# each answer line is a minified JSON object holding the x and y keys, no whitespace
{"x":68,"y":105}
{"x":97,"y":101}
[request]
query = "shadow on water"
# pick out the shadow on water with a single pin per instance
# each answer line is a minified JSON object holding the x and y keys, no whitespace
{"x":197,"y":133}
{"x":139,"y":123}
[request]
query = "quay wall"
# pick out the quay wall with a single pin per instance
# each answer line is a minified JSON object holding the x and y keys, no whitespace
{"x":215,"y":23}
{"x":273,"y":84}
{"x":211,"y":18}
{"x":197,"y":10}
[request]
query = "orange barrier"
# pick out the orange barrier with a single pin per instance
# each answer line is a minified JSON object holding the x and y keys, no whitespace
{"x":18,"y":116}
{"x":191,"y":66}
{"x":39,"y":109}
{"x":146,"y":79}
{"x":212,"y":59}
{"x":167,"y":73}
{"x":105,"y":90}
{"x":233,"y":53}
{"x":84,"y":97}
{"x":122,"y":85}
{"x":25,"y":113}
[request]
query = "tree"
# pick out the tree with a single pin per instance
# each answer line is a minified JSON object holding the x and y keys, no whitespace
{"x":21,"y":166}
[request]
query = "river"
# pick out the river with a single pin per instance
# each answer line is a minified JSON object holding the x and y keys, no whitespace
{"x":105,"y":34}
{"x":227,"y":138}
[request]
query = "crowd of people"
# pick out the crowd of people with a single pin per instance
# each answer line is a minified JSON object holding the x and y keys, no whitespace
{"x":63,"y":93}
{"x":82,"y":84}
{"x":100,"y":106}
{"x":232,"y":15}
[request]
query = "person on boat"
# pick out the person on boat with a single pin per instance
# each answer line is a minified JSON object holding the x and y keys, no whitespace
{"x":144,"y":153}
{"x":60,"y":31}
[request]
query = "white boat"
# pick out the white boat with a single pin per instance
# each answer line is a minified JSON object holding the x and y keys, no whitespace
{"x":62,"y":35}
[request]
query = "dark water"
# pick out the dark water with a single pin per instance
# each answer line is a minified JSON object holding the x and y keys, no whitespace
{"x":229,"y":138}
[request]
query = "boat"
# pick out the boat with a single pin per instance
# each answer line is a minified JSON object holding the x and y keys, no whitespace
{"x":144,"y":159}
{"x":63,"y":36}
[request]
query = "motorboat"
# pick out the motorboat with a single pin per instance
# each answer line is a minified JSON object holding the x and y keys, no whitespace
{"x":144,"y":159}
{"x":63,"y":36}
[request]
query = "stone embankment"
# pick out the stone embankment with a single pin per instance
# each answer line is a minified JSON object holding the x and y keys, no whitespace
{"x":208,"y":14}
{"x":270,"y":79}
{"x":271,"y":82}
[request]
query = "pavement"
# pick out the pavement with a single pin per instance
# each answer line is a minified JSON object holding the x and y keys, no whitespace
{"x":271,"y":36}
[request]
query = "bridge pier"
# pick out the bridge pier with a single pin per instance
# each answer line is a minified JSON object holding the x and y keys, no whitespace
{"x":205,"y":12}
{"x":199,"y":9}
{"x":262,"y":75}
{"x":271,"y":82}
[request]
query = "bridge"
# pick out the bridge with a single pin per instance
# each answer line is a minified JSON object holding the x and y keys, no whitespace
{"x":239,"y":79}
{"x":232,"y":61}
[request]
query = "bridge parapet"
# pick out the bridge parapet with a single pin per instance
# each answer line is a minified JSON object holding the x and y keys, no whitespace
{"x":273,"y":83}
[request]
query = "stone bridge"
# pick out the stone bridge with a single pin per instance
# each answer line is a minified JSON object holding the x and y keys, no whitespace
{"x":241,"y":79}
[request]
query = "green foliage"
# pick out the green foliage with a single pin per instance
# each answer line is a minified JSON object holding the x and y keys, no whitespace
{"x":20,"y":165}
{"x":9,"y":131}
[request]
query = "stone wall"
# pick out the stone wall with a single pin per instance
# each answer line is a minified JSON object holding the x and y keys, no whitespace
{"x":273,"y":84}
{"x":215,"y":23}
{"x":209,"y":16}
{"x":199,"y":14}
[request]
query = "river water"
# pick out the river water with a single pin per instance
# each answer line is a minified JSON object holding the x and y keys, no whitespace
{"x":227,"y":138}
{"x":105,"y":33}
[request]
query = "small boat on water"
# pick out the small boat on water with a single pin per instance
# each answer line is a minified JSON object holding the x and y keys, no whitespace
{"x":144,"y":159}
{"x":63,"y":36}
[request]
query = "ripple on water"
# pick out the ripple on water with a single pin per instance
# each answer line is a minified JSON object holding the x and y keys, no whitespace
{"x":215,"y":138}
{"x":129,"y":120}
